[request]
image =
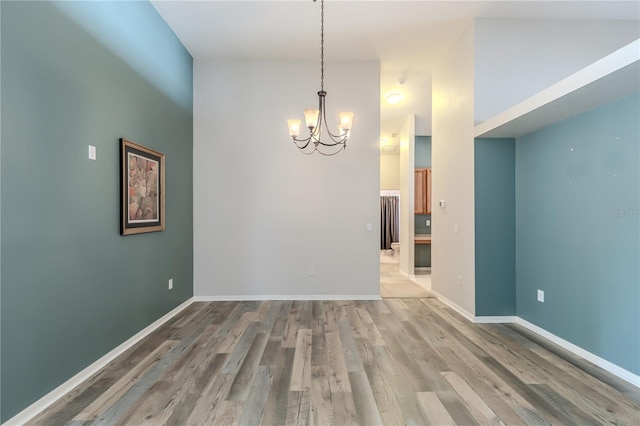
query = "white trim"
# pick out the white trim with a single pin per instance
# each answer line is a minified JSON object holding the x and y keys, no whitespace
{"x":495,"y":320}
{"x":454,"y":306}
{"x":240,"y":298}
{"x":577,"y":350}
{"x":392,"y":192}
{"x":43,"y":403}
{"x":600,"y":362}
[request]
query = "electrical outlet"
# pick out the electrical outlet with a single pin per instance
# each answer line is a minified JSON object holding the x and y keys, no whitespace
{"x":428,"y":222}
{"x":92,"y":152}
{"x":171,"y":284}
{"x":312,"y":271}
{"x":540,"y":296}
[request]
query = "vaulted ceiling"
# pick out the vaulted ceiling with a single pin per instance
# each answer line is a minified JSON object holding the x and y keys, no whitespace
{"x":406,"y":37}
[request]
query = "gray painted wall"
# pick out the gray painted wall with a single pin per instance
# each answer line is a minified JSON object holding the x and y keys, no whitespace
{"x":578,"y":230}
{"x":266,"y":213}
{"x":72,"y":287}
{"x":495,"y":200}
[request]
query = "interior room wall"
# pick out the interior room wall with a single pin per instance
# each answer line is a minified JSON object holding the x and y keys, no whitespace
{"x":72,"y":287}
{"x":495,"y":207}
{"x":453,"y":235}
{"x":578,"y":230}
{"x":271,"y":222}
{"x":521,"y":57}
{"x":407,"y":195}
{"x":390,"y":172}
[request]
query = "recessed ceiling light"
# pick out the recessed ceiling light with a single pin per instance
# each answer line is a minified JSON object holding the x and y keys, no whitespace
{"x":393,"y":98}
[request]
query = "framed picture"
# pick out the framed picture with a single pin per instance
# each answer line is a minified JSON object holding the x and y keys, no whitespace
{"x":142,"y":189}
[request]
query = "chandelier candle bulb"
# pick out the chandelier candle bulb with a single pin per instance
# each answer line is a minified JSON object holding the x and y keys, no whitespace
{"x":346,"y":119}
{"x":294,"y":127}
{"x":311,"y":117}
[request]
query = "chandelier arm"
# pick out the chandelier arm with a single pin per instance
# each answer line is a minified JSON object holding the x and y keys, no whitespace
{"x":305,"y":141}
{"x":335,"y":143}
{"x":331,"y":134}
{"x":332,"y":154}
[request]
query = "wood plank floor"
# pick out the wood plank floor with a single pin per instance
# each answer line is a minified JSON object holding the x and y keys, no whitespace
{"x":390,"y":362}
{"x":393,"y":283}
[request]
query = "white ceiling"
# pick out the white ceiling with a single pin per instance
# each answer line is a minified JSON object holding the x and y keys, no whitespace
{"x":406,"y":37}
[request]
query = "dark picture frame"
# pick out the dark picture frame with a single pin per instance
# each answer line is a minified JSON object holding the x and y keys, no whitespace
{"x":142,"y":193}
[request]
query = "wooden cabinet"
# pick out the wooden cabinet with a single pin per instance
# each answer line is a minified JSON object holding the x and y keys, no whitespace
{"x":422,"y":191}
{"x":429,"y":191}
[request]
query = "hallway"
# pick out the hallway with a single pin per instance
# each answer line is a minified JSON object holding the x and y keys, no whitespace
{"x":394,"y":284}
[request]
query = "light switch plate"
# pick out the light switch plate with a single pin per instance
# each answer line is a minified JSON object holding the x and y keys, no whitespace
{"x":541,"y":296}
{"x":92,"y":152}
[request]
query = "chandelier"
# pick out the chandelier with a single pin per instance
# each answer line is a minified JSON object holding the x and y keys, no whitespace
{"x":316,"y":118}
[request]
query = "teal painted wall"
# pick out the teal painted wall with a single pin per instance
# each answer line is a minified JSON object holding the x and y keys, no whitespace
{"x":495,"y":203}
{"x":578,"y":230}
{"x":72,"y":287}
{"x":422,"y":252}
{"x":423,"y":152}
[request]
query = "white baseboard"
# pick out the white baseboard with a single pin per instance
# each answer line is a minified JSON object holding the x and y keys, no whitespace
{"x":600,"y":362}
{"x":495,"y":320}
{"x":565,"y":344}
{"x":416,"y":279}
{"x":242,"y":298}
{"x":43,"y":403}
{"x":459,"y":309}
{"x":423,"y":285}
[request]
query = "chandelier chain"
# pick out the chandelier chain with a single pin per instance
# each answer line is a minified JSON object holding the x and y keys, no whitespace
{"x":322,"y":45}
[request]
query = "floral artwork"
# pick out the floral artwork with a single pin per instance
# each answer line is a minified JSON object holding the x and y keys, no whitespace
{"x":142,"y":189}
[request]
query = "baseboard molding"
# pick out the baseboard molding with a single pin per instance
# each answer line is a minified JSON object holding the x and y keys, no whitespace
{"x":43,"y":403}
{"x":495,"y":320}
{"x":594,"y":359}
{"x":459,"y":309}
{"x":426,"y":287}
{"x":242,"y":298}
{"x":565,"y":344}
